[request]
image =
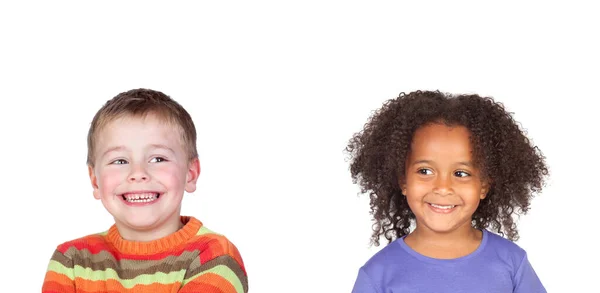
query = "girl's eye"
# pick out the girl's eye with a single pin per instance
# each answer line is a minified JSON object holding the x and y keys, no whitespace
{"x":461,"y":174}
{"x":157,"y":160}
{"x":119,"y":162}
{"x":424,"y":171}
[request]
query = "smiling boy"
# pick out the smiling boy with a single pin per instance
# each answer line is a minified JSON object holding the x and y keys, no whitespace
{"x":141,"y":158}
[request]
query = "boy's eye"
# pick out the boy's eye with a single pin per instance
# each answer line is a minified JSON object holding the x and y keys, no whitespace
{"x":424,"y":171}
{"x":461,"y":174}
{"x":119,"y":162}
{"x":157,"y":160}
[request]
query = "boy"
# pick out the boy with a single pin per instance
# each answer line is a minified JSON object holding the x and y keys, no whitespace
{"x":141,"y":158}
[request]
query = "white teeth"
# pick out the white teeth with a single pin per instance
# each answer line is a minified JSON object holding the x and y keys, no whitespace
{"x":442,"y":207}
{"x":141,"y":197}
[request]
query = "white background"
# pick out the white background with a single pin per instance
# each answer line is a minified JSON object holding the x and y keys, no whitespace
{"x":276,"y":90}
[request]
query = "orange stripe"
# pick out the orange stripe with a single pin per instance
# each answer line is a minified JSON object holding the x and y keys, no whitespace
{"x":204,"y":288}
{"x":209,"y":282}
{"x":50,"y":286}
{"x":54,"y":280}
{"x":113,"y":285}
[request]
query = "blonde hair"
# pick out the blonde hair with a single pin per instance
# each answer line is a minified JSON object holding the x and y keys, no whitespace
{"x":140,"y":103}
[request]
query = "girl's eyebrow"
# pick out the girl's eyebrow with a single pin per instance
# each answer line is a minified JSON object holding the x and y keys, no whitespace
{"x":464,"y":163}
{"x":422,"y":162}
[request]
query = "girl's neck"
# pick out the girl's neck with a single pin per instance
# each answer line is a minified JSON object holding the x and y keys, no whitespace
{"x":458,"y":243}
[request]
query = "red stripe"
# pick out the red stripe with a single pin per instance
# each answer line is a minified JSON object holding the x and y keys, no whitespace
{"x":209,"y":247}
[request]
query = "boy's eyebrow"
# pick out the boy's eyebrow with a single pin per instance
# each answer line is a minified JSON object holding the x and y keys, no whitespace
{"x":112,"y":149}
{"x":161,"y":146}
{"x":154,"y":146}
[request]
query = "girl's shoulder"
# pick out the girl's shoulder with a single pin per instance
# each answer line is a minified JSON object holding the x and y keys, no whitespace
{"x":503,"y":247}
{"x":493,"y":248}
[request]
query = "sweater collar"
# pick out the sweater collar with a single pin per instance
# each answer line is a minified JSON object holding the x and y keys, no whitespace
{"x":190,"y":228}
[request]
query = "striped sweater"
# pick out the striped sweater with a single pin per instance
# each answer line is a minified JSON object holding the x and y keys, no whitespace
{"x":193,"y":259}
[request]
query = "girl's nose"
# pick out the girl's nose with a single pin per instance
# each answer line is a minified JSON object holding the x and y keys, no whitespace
{"x":443,"y":185}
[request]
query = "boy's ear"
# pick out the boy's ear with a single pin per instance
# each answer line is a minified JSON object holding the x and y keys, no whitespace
{"x":94,"y":181}
{"x":192,"y":175}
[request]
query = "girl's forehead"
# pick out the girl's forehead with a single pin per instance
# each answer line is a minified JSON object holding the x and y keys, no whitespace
{"x":441,"y":139}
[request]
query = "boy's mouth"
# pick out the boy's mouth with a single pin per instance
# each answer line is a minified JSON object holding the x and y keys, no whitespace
{"x":140,"y":197}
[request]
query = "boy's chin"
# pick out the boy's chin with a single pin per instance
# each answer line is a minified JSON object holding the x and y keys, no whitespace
{"x":143,"y":223}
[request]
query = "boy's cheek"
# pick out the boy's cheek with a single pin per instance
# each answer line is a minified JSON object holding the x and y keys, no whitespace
{"x":165,"y":171}
{"x":108,"y":178}
{"x":168,"y":176}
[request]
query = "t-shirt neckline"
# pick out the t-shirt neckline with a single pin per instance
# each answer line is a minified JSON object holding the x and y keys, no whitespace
{"x":428,"y":259}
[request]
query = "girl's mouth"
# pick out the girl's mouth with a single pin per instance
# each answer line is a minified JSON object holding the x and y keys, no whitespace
{"x":441,"y":209}
{"x":444,"y":207}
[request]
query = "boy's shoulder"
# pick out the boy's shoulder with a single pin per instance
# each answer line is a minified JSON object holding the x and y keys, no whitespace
{"x":208,"y":243}
{"x":92,"y":242}
{"x":212,"y":245}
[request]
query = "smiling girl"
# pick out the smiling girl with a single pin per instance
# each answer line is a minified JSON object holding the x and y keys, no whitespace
{"x":445,"y":175}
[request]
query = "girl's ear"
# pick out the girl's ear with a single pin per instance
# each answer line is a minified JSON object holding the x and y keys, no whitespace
{"x":485,"y":187}
{"x":402,"y":184}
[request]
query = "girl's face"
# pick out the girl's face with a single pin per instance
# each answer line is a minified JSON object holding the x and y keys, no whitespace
{"x":443,"y":188}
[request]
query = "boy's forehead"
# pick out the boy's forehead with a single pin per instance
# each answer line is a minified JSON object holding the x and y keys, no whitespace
{"x":131,"y":128}
{"x":140,"y":121}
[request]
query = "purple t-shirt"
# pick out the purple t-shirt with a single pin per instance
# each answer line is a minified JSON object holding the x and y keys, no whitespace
{"x":497,"y":266}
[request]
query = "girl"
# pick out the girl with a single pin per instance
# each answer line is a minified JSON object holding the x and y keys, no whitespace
{"x":453,"y":167}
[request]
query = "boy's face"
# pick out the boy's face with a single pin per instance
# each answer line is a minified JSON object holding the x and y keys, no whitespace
{"x":140,"y":173}
{"x":443,"y":188}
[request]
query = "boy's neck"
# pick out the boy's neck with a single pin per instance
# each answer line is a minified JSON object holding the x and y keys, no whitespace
{"x":151,"y":234}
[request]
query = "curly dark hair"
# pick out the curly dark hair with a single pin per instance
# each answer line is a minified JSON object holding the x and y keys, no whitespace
{"x":506,"y":157}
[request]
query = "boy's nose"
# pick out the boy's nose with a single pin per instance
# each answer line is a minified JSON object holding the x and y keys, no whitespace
{"x":138,"y":173}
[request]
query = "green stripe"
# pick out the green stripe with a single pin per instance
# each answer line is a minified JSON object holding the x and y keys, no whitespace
{"x":223,"y":271}
{"x":158,"y":277}
{"x":203,"y":230}
{"x":61,"y":269}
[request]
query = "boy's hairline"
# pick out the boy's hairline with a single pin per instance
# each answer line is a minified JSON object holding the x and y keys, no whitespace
{"x":107,"y":119}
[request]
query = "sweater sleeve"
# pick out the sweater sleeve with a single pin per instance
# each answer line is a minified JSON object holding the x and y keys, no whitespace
{"x":59,"y":275}
{"x":222,"y":272}
{"x":220,"y":275}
